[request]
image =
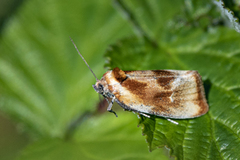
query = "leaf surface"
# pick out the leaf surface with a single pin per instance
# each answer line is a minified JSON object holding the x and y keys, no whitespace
{"x":97,"y":138}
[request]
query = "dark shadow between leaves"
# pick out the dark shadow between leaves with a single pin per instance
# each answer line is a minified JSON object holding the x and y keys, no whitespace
{"x":207,"y":87}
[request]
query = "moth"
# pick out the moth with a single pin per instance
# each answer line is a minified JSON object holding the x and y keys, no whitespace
{"x":175,"y":94}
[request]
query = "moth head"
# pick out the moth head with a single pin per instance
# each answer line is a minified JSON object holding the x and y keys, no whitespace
{"x":98,"y":87}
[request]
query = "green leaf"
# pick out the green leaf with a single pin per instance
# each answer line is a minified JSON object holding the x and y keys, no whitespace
{"x":151,"y":15}
{"x":215,"y":54}
{"x":148,"y":18}
{"x":229,"y":14}
{"x":101,"y":137}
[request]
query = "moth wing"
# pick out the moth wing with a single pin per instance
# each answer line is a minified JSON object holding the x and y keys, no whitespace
{"x":166,"y":93}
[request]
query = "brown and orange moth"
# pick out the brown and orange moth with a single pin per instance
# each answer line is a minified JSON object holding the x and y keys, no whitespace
{"x":174,"y":94}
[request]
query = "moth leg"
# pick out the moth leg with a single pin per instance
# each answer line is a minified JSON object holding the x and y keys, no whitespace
{"x":170,"y":120}
{"x":107,"y":100}
{"x":145,"y":115}
{"x":109,"y":109}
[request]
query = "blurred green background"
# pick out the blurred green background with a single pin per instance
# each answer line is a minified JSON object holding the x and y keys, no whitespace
{"x":12,"y":140}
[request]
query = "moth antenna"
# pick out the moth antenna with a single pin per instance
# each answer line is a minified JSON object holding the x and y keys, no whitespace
{"x":174,"y":122}
{"x":83,"y":59}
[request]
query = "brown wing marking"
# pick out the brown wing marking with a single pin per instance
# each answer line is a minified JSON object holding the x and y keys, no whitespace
{"x":119,"y":75}
{"x":201,"y":100}
{"x":163,"y":73}
{"x":135,"y":87}
{"x":165,"y":82}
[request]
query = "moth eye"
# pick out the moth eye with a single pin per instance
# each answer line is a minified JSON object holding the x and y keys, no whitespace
{"x":100,"y":87}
